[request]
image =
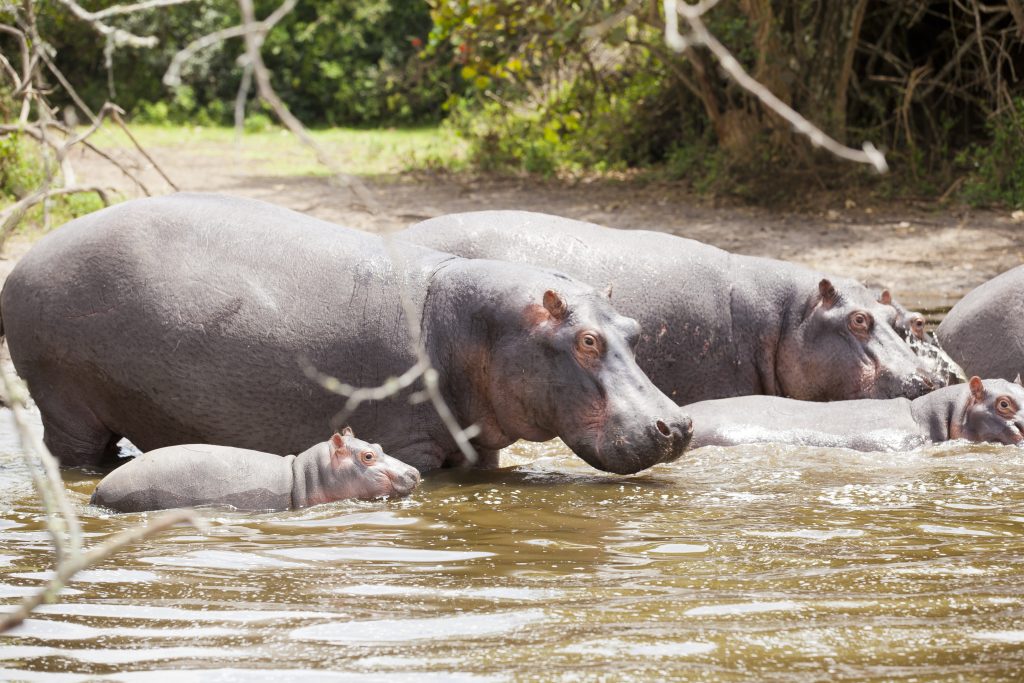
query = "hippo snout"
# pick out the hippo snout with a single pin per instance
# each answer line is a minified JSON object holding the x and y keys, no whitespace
{"x":921,"y":383}
{"x":652,"y":441}
{"x":404,"y":481}
{"x":674,"y":433}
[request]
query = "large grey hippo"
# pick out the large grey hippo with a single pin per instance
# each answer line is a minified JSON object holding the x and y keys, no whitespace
{"x":193,"y":319}
{"x":715,"y":324}
{"x":341,"y":468}
{"x":991,"y":410}
{"x":983,"y":332}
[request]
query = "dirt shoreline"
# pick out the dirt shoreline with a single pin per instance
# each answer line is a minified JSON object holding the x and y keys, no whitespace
{"x":929,"y":258}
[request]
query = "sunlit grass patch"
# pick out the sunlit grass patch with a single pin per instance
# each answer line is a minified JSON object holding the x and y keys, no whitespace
{"x":275,"y":151}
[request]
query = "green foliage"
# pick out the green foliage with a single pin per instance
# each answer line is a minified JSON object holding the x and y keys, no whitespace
{"x":22,"y":170}
{"x":21,"y":167}
{"x":336,"y":62}
{"x":996,"y":168}
{"x":533,"y":97}
{"x":562,"y":86}
{"x":357,"y":62}
{"x":258,"y":123}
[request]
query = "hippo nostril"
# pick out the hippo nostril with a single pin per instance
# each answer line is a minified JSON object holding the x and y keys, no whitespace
{"x":663,"y":428}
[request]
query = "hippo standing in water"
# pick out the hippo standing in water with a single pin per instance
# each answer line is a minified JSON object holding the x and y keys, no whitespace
{"x":193,"y":318}
{"x":983,"y":332}
{"x":990,"y":410}
{"x":198,"y":474}
{"x":714,"y":324}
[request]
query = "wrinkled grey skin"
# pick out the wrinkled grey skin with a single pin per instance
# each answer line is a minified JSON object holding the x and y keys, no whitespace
{"x":199,"y":474}
{"x":192,"y":319}
{"x":983,"y":411}
{"x":984,"y":331}
{"x":714,"y":324}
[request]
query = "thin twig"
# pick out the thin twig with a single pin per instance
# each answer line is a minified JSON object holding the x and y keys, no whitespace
{"x":116,"y":116}
{"x":117,"y":35}
{"x":62,"y":522}
{"x":253,"y":46}
{"x":461,"y":436}
{"x":358,"y":395}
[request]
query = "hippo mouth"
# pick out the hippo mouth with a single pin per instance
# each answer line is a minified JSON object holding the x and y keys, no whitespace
{"x":402,"y":484}
{"x":1016,"y":433}
{"x":624,"y":457}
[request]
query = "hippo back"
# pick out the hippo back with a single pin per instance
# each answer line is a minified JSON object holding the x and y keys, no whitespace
{"x":864,"y":424}
{"x":198,"y":474}
{"x":710,"y":319}
{"x":983,"y":331}
{"x":653,"y":277}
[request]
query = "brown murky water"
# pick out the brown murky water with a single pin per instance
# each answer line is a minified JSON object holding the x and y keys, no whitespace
{"x":753,"y":563}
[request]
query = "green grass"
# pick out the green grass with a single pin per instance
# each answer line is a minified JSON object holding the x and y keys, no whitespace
{"x":363,"y":152}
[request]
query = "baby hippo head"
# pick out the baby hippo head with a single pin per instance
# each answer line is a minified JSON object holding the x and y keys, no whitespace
{"x":908,"y":324}
{"x":362,"y":470}
{"x":993,"y":412}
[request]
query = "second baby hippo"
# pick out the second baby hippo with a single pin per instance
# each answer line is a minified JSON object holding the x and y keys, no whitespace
{"x":190,"y":475}
{"x":990,"y":410}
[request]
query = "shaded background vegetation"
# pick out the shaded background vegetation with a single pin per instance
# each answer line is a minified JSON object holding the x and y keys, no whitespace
{"x":588,"y":86}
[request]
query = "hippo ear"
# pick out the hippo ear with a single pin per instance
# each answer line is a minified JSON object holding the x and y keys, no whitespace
{"x":608,"y":292}
{"x":828,"y":293}
{"x":885,"y":298}
{"x":1016,"y":380}
{"x":339,"y":451}
{"x":977,"y":388}
{"x":347,"y":431}
{"x":555,"y":304}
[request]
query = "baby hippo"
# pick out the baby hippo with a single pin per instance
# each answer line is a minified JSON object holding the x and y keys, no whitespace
{"x":990,"y":410}
{"x":187,"y":476}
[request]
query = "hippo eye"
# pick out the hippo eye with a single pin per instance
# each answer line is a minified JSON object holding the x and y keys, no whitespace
{"x":368,"y":457}
{"x":1005,"y":406}
{"x":589,"y":344}
{"x":917,"y":324}
{"x":860,"y":323}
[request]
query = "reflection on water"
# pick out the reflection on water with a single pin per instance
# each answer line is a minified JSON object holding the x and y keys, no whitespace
{"x":764,"y":562}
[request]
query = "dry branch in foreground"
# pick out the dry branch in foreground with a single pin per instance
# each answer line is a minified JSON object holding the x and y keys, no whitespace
{"x":70,"y":555}
{"x":699,"y":34}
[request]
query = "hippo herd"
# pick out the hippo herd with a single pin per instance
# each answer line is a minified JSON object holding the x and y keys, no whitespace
{"x":189,"y":325}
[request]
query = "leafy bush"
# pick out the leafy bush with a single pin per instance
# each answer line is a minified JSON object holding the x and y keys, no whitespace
{"x":996,"y":169}
{"x":21,"y":168}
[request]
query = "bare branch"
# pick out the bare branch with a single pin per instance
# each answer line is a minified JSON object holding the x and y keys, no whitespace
{"x":62,"y":522}
{"x":461,"y":436}
{"x":120,"y":10}
{"x":392,"y":386}
{"x":359,"y":395}
{"x":172,"y":77}
{"x":699,"y":35}
{"x":116,"y":35}
{"x":243,"y":94}
{"x":12,"y":215}
{"x":254,"y":32}
{"x":116,"y":116}
{"x":253,"y":46}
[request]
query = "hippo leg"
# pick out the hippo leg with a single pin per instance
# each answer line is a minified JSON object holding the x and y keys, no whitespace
{"x":487,"y":459}
{"x":76,"y":437}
